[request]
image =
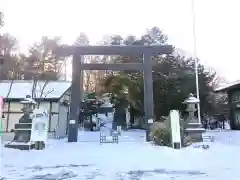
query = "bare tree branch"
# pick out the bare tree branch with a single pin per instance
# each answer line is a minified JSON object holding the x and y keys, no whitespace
{"x":34,"y":88}
{"x":43,"y":88}
{"x":42,"y":91}
{"x":10,"y":89}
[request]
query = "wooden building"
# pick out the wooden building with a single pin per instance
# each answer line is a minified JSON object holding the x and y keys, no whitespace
{"x":54,"y":99}
{"x":233,"y":93}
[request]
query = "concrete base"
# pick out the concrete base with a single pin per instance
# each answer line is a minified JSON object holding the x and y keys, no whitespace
{"x":194,"y":125}
{"x":176,"y":145}
{"x":20,"y":146}
{"x":8,"y":136}
{"x":194,"y":130}
{"x":194,"y":134}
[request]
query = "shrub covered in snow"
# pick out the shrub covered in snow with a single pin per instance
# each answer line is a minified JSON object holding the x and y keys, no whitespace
{"x":160,"y":134}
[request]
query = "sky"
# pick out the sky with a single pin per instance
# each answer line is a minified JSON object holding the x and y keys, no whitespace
{"x":217,"y":31}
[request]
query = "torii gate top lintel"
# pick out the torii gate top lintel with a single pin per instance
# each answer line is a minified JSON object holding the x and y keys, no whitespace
{"x":115,"y":50}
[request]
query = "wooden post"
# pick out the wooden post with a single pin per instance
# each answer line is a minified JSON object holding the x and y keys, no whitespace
{"x":40,"y":145}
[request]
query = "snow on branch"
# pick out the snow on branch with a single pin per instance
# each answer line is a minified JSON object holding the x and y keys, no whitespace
{"x":39,"y":90}
{"x":10,"y":89}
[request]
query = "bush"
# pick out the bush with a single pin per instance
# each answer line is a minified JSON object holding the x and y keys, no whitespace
{"x":160,"y":134}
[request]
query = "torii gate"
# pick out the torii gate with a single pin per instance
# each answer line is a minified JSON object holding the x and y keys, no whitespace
{"x":77,"y":66}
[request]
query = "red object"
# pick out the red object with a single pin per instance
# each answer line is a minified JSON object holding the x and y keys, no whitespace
{"x":1,"y":101}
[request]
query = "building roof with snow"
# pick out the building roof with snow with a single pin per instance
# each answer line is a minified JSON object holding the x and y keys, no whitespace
{"x":21,"y":88}
{"x":228,"y":86}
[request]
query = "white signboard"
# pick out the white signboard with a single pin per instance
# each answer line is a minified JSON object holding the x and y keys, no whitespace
{"x":1,"y":119}
{"x":72,"y":121}
{"x":150,"y":121}
{"x":175,"y":126}
{"x":39,"y":131}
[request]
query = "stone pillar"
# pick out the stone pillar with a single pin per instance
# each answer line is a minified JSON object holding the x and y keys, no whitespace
{"x":127,"y":117}
{"x":148,"y":94}
{"x":75,"y":99}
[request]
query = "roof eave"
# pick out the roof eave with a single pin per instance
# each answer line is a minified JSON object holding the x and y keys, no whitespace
{"x":227,"y":88}
{"x":37,"y":99}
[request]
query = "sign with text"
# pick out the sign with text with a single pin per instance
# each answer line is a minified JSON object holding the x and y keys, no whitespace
{"x":175,"y":127}
{"x":39,"y":131}
{"x":1,"y":115}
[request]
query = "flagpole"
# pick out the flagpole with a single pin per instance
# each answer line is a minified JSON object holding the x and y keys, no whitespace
{"x":195,"y":56}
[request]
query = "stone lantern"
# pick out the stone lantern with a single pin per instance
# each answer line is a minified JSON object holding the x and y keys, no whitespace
{"x":193,"y":128}
{"x":28,"y":105}
{"x":22,"y":129}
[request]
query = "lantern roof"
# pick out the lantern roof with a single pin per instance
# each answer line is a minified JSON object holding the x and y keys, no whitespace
{"x":191,"y":100}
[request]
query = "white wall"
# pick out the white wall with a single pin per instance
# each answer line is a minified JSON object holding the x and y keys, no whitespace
{"x":5,"y":110}
{"x":55,"y":106}
{"x":15,"y":114}
{"x":45,"y":105}
{"x":13,"y":118}
{"x":63,"y":116}
{"x":15,"y":107}
{"x":54,"y":116}
{"x":54,"y":121}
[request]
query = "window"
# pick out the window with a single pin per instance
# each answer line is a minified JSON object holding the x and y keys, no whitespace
{"x":236,"y":97}
{"x":237,"y":118}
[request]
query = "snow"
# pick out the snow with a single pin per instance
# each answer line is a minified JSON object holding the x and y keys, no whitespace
{"x":195,"y":129}
{"x":131,"y":159}
{"x":106,"y":105}
{"x":194,"y":123}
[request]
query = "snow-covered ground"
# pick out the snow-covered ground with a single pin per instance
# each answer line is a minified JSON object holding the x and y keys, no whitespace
{"x":131,"y":159}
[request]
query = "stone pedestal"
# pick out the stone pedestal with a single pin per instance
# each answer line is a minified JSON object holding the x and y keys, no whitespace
{"x":194,"y":132}
{"x":21,"y":138}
